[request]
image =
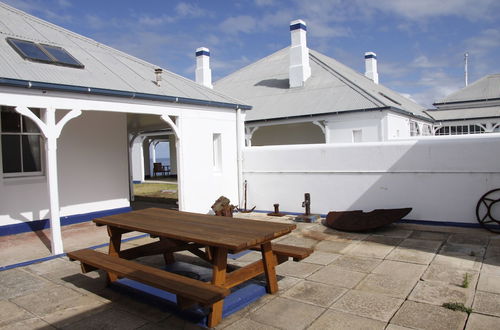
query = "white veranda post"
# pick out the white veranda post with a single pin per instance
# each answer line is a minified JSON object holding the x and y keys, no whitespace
{"x":51,"y":131}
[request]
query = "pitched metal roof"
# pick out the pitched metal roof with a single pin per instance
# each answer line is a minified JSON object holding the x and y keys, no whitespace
{"x":486,"y":88}
{"x":466,"y":113}
{"x":332,"y":88}
{"x":105,"y":68}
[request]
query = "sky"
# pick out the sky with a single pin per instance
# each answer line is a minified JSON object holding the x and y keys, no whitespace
{"x":420,"y":44}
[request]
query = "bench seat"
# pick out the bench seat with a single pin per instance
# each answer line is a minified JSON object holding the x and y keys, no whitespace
{"x":204,"y":293}
{"x":283,"y":252}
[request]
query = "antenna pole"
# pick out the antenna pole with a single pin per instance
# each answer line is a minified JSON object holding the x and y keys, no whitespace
{"x":466,"y":60}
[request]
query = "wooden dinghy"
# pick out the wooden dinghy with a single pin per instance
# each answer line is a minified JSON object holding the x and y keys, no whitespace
{"x":362,"y":221}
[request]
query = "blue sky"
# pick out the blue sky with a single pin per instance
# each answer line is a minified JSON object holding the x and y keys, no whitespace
{"x":420,"y":44}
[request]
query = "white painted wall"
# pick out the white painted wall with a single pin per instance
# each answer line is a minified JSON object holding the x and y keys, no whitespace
{"x":342,"y":126}
{"x":442,"y":178}
{"x":137,"y":160}
{"x":398,"y":126}
{"x":93,"y":172}
{"x":199,"y":182}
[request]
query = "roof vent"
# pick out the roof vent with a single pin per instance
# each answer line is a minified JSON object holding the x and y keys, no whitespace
{"x":371,"y":66}
{"x":299,"y":70}
{"x":158,"y":73}
{"x":203,"y":74}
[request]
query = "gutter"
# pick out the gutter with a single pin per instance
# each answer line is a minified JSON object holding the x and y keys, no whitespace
{"x":118,"y":93}
{"x":466,"y":101}
{"x":388,"y":108}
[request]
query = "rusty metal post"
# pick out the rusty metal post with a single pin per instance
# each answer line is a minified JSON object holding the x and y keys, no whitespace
{"x":307,"y":216}
{"x":276,"y":212}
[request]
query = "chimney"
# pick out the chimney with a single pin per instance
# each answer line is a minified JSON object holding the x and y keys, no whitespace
{"x":203,"y":73}
{"x":158,"y":73}
{"x":299,"y":70}
{"x":371,"y":66}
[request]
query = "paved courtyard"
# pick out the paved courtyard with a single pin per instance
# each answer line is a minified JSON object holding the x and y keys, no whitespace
{"x":395,"y":278}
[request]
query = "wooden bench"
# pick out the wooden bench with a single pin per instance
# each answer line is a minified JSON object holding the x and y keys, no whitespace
{"x":188,"y":288}
{"x":283,"y":252}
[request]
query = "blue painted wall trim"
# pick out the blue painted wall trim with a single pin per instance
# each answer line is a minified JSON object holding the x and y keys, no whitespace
{"x":298,"y":26}
{"x":418,"y":222}
{"x":136,"y":181}
{"x":202,"y":52}
{"x":24,"y":227}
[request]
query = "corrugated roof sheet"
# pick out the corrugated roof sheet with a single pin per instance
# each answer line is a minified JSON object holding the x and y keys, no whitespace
{"x":332,"y":87}
{"x":105,"y":67}
{"x":486,"y":88}
{"x":468,"y":113}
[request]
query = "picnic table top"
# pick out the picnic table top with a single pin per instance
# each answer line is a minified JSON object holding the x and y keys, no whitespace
{"x":234,"y":234}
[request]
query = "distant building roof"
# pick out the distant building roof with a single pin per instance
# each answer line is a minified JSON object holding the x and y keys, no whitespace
{"x":104,"y":67}
{"x":466,"y":113}
{"x":486,"y":88}
{"x":332,"y":88}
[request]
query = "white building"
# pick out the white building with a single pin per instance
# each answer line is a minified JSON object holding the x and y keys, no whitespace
{"x":474,"y":109}
{"x":71,"y":109}
{"x":301,"y":96}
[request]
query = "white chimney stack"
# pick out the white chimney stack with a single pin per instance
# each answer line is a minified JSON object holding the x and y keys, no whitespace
{"x":203,"y":74}
{"x":371,"y":66}
{"x":300,"y":70}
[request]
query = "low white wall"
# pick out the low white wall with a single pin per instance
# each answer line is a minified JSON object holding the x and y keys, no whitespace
{"x":92,"y":169}
{"x":441,"y":178}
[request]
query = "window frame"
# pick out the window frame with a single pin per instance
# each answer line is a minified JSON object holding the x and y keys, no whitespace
{"x":22,"y":173}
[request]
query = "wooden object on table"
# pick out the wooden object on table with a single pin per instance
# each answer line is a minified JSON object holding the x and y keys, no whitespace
{"x":223,"y":207}
{"x":204,"y":293}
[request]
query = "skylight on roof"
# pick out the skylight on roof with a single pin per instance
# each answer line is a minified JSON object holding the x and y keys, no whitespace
{"x":44,"y":53}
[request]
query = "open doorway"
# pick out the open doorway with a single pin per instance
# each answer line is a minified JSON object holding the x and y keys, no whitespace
{"x":153,"y":162}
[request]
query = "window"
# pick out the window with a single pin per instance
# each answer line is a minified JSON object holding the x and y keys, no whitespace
{"x":426,"y":130}
{"x":44,"y":53}
{"x":21,"y":144}
{"x":217,"y":151}
{"x":414,"y":129}
{"x":357,"y":135}
{"x":460,"y":130}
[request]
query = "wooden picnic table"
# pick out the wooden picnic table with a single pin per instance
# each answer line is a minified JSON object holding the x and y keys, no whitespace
{"x":207,"y":236}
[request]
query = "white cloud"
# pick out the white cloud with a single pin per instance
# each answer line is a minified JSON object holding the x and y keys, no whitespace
{"x":422,"y":9}
{"x":236,"y":24}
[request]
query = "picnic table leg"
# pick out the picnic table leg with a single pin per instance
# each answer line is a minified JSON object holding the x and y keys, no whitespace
{"x":219,"y":264}
{"x":269,"y":267}
{"x":115,"y":240}
{"x":168,"y":256}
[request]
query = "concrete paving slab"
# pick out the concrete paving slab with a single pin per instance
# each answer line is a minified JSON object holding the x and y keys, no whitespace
{"x":468,"y":239}
{"x":50,"y":299}
{"x":314,"y":293}
{"x":176,"y":323}
{"x":337,"y":276}
{"x":430,"y":235}
{"x":491,"y":266}
{"x":11,"y":313}
{"x":17,"y":282}
{"x":357,"y":264}
{"x":420,"y":245}
{"x":321,"y":258}
{"x":450,"y":249}
{"x":297,"y":269}
{"x":487,"y":303}
{"x":286,"y":314}
{"x":333,"y":246}
{"x":325,"y":233}
{"x":449,"y":275}
{"x":299,"y":241}
{"x":417,"y":315}
{"x":411,"y":255}
{"x":367,"y":304}
{"x":248,"y":324}
{"x":398,"y":269}
{"x":437,"y":293}
{"x":489,"y":283}
{"x":460,"y":262}
{"x":492,"y":251}
{"x":67,"y":315}
{"x":393,"y":286}
{"x":29,"y":324}
{"x":396,"y":327}
{"x":393,"y":230}
{"x":335,"y":320}
{"x":374,"y":247}
{"x":107,"y":319}
{"x":481,"y":322}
